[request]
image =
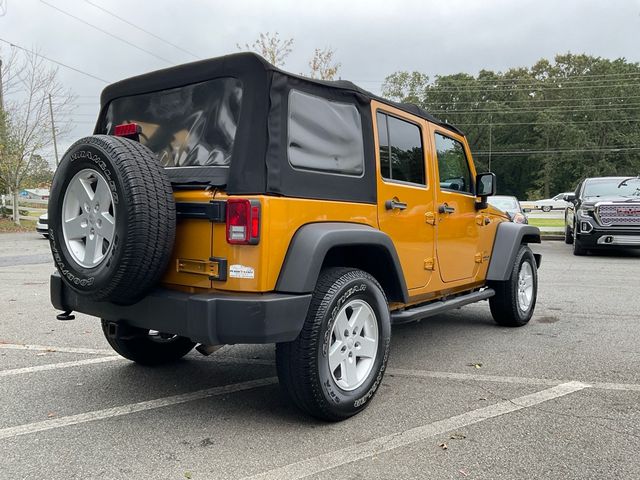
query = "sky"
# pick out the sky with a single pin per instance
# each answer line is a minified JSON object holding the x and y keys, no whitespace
{"x":371,"y":38}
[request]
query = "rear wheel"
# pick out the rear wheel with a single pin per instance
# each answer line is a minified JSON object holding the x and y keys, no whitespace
{"x":336,"y":364}
{"x":515,"y":298}
{"x":546,"y":208}
{"x":146,"y":347}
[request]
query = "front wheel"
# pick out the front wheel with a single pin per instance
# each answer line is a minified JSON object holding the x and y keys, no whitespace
{"x":146,"y":347}
{"x":515,"y":298}
{"x":568,"y":235}
{"x":578,"y":249}
{"x":334,"y":367}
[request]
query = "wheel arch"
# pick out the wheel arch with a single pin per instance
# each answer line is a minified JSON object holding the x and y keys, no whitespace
{"x":509,"y":237}
{"x":318,"y":245}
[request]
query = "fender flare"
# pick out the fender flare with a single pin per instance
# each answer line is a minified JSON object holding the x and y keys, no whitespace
{"x":311,"y":243}
{"x":509,"y":237}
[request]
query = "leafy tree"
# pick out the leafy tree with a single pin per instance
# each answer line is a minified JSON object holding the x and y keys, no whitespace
{"x":542,"y":128}
{"x":322,"y":64}
{"x":271,"y":47}
{"x":276,"y":50}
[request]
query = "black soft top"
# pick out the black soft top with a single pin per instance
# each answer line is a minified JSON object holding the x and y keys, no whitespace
{"x":246,"y":64}
{"x":259,"y":162}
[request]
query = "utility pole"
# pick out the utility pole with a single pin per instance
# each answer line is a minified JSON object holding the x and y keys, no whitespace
{"x":490,"y":139}
{"x":1,"y":89}
{"x":53,"y":131}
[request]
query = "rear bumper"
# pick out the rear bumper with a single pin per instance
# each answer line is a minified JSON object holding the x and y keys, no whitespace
{"x":212,"y":319}
{"x":42,"y":228}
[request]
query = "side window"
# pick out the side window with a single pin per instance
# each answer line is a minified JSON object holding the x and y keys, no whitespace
{"x":401,"y":152}
{"x":324,"y":135}
{"x":452,"y":165}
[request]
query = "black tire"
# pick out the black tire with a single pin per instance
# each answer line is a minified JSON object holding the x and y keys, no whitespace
{"x":578,"y":249}
{"x":144,"y":219}
{"x":303,"y":365}
{"x":505,"y":307}
{"x":546,"y":209}
{"x":137,"y":345}
{"x":568,"y":235}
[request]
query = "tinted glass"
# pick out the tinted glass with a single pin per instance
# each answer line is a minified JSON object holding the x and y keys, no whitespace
{"x":401,"y":153}
{"x":602,"y":187}
{"x":324,"y":135}
{"x":194,"y":125}
{"x":452,"y":165}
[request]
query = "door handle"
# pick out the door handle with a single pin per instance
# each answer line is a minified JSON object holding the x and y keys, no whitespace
{"x":395,"y":204}
{"x":444,"y":208}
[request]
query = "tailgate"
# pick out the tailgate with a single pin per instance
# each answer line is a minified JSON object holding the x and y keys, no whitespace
{"x":193,"y":246}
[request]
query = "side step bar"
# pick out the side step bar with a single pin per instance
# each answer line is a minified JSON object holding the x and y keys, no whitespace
{"x":439,"y":306}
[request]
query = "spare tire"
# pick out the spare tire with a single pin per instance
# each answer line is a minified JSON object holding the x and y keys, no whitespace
{"x":112,"y":219}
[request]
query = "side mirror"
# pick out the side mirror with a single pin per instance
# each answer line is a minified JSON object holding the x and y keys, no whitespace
{"x":485,"y":184}
{"x":485,"y":187}
{"x":569,"y":197}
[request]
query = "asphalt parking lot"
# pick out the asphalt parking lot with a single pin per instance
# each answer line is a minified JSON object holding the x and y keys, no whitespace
{"x":463,"y":398}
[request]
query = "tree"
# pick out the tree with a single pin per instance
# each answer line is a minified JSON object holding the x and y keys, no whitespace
{"x":26,"y":126}
{"x":39,"y":173}
{"x":276,"y":50}
{"x":542,"y":128}
{"x":322,"y":64}
{"x":271,"y":47}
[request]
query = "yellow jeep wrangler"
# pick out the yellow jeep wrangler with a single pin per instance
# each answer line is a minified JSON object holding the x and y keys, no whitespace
{"x":227,"y":201}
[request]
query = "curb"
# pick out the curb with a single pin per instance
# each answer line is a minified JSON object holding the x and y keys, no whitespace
{"x":552,"y":236}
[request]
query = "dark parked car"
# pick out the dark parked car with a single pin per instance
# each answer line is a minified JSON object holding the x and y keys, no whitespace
{"x":603,"y":213}
{"x":510,"y":205}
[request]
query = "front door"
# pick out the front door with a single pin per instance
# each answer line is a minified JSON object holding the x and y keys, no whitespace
{"x":403,"y":193}
{"x":457,"y":230}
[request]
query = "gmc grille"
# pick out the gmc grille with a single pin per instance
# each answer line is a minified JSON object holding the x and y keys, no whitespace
{"x":621,"y":215}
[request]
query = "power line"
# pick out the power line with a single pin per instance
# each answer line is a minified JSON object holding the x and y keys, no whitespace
{"x":634,"y":106}
{"x":548,"y":123}
{"x":84,"y":22}
{"x":54,"y":61}
{"x":142,"y":29}
{"x":532,"y":152}
{"x":523,"y":88}
{"x":529,"y":81}
{"x":532,"y":101}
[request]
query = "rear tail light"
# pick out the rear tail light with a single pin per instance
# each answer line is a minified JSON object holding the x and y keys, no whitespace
{"x":127,"y":130}
{"x":243,"y":221}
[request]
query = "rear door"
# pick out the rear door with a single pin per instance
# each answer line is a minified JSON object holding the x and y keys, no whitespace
{"x":404,"y":196}
{"x":458,"y":228}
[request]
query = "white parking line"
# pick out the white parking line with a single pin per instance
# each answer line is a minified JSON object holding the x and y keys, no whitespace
{"x":131,"y":408}
{"x":379,"y":445}
{"x":49,"y":348}
{"x":56,"y":366}
{"x":405,"y":372}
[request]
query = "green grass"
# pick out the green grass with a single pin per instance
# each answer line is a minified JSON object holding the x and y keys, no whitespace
{"x":546,"y":222}
{"x":7,"y":226}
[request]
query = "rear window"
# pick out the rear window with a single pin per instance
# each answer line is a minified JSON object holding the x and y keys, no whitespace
{"x":193,"y":125}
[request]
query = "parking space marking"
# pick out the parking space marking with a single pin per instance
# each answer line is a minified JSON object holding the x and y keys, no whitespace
{"x":379,"y":445}
{"x":405,"y":372}
{"x":48,"y":348}
{"x":106,"y":413}
{"x":56,"y":366}
{"x":631,"y":387}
